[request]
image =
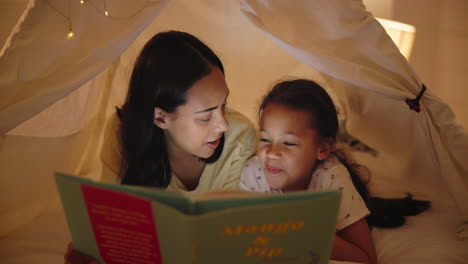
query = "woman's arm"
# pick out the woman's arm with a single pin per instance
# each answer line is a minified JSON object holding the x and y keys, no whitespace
{"x":111,"y":152}
{"x":74,"y":257}
{"x":354,"y":243}
{"x":240,"y":145}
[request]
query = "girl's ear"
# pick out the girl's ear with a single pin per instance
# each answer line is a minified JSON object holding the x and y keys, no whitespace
{"x":161,"y":118}
{"x":326,"y":147}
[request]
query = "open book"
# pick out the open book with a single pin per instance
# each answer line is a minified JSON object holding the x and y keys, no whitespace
{"x":140,"y":225}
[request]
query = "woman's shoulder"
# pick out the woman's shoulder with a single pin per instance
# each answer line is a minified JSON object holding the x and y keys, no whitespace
{"x":241,"y":129}
{"x":237,"y":120}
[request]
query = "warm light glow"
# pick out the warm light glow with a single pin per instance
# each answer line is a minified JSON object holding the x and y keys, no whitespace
{"x":402,"y":34}
{"x":70,"y":34}
{"x":82,"y":2}
{"x":107,"y":13}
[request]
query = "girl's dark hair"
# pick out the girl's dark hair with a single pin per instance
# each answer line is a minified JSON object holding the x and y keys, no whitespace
{"x":167,"y":67}
{"x":306,"y":95}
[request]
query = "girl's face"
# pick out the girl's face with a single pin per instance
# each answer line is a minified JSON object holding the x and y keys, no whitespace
{"x":289,"y":147}
{"x":196,"y":127}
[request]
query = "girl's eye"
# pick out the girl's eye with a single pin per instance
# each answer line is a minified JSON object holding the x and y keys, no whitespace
{"x":264,"y":140}
{"x":287,"y":143}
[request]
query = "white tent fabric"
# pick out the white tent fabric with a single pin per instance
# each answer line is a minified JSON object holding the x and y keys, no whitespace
{"x":340,"y":39}
{"x":27,"y":88}
{"x":39,"y":68}
{"x":56,"y":94}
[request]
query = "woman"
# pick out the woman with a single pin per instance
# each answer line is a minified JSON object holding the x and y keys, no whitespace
{"x":174,"y":130}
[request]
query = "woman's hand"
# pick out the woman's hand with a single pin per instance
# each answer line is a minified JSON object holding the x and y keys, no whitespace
{"x":74,"y":257}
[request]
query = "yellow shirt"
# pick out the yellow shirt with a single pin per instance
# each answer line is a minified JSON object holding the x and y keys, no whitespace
{"x":239,"y":146}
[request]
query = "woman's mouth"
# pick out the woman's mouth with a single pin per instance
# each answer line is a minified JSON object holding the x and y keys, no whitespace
{"x":213,"y":144}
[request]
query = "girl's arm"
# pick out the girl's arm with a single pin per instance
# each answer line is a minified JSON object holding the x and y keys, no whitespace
{"x":354,"y":243}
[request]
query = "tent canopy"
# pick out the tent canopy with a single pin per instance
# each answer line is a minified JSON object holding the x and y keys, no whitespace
{"x":56,"y":93}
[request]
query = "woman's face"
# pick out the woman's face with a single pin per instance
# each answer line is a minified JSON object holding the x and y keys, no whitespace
{"x":197,"y":126}
{"x":289,"y":147}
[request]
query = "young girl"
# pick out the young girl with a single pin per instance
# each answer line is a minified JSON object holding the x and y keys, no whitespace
{"x":174,"y":130}
{"x":298,"y":126}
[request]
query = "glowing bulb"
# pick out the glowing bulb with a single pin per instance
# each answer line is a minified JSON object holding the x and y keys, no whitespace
{"x":82,"y":2}
{"x":70,"y":34}
{"x":107,"y":13}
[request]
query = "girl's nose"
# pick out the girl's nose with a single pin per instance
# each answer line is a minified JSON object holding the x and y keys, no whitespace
{"x":273,"y":152}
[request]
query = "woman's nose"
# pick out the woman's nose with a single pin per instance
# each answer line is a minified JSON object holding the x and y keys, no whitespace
{"x":222,"y":123}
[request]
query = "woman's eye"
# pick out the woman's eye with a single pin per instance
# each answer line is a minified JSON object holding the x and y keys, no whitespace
{"x":206,"y":119}
{"x":264,"y":140}
{"x":287,"y":143}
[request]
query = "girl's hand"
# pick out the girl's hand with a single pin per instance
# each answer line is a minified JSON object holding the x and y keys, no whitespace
{"x":74,"y":257}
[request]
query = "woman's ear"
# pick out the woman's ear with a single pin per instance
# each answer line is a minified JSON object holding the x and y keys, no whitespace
{"x":161,"y":118}
{"x":326,"y":147}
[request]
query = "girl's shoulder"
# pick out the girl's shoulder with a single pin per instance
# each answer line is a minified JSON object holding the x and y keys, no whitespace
{"x":331,"y":164}
{"x":252,"y":167}
{"x":329,"y":173}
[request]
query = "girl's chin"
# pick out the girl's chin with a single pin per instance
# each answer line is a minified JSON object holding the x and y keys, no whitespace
{"x":275,"y":184}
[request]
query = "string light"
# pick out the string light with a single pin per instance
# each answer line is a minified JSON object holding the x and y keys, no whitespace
{"x":70,"y":28}
{"x":70,"y":33}
{"x":105,"y":8}
{"x":106,"y":13}
{"x":67,"y":16}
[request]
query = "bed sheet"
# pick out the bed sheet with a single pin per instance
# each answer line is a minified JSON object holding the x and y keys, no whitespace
{"x":427,"y":238}
{"x":43,"y":240}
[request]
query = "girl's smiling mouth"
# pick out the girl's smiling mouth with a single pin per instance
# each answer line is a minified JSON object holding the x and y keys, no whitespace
{"x":273,"y":170}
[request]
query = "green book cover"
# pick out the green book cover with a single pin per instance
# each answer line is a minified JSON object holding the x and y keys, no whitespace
{"x":126,"y":224}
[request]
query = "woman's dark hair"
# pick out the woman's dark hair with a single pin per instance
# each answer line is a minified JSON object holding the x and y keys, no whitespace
{"x":306,"y":95}
{"x":166,"y":68}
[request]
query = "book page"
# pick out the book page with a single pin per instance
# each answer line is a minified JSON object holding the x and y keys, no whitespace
{"x":222,"y":194}
{"x":236,"y":199}
{"x":123,"y":226}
